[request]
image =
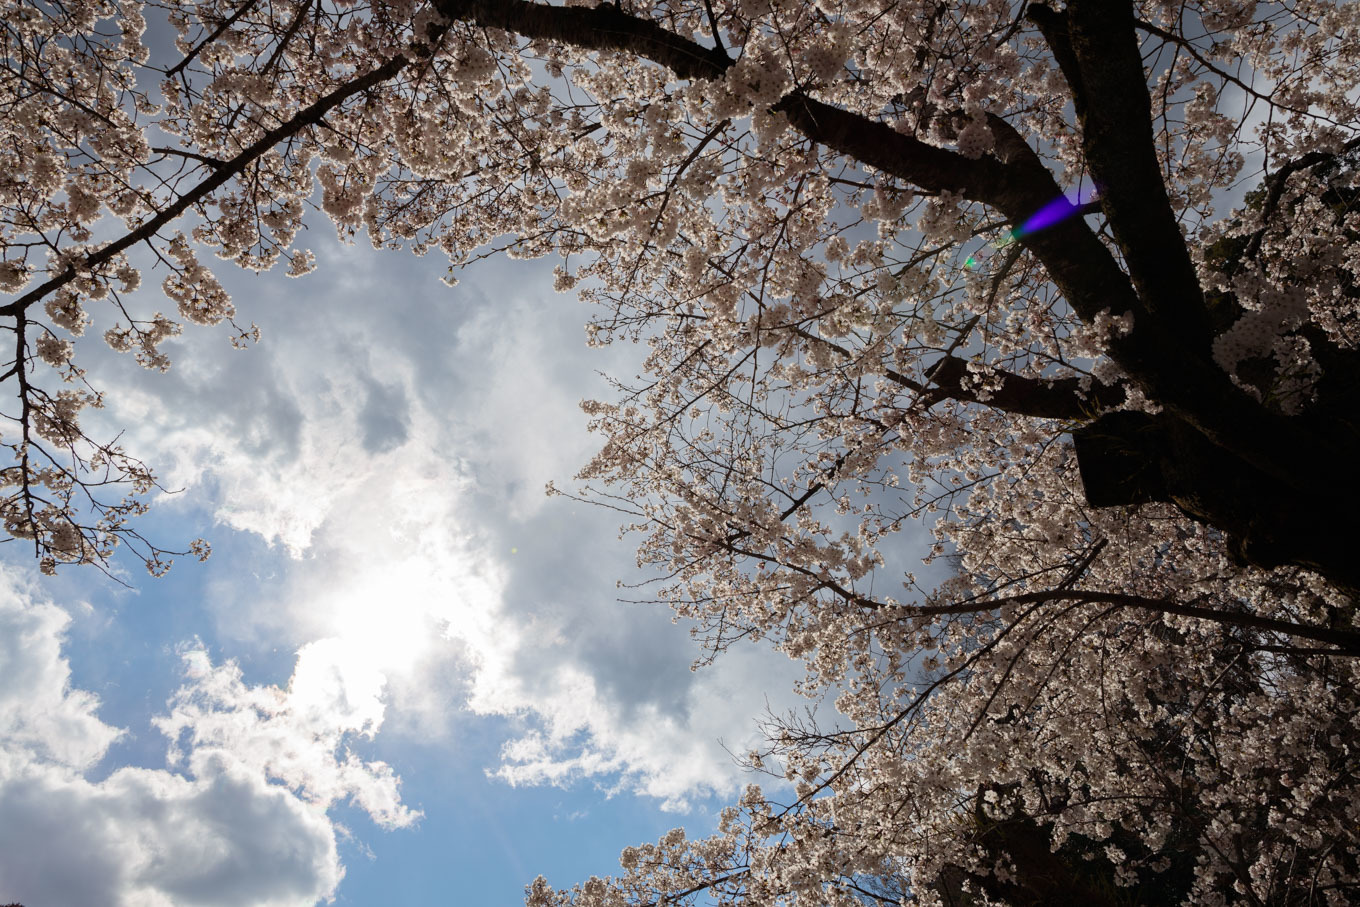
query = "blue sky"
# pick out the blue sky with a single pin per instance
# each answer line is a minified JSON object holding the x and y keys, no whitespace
{"x":404,"y":676}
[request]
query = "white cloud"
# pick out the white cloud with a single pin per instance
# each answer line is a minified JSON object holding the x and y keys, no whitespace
{"x":290,"y":735}
{"x":150,"y":838}
{"x":580,"y":734}
{"x":407,"y":460}
{"x":410,"y":569}
{"x":242,"y":822}
{"x":41,"y":717}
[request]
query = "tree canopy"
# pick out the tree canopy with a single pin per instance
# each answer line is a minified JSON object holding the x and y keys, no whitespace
{"x":1075,"y":286}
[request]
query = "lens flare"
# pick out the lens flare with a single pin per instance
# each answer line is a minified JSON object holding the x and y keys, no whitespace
{"x":1055,"y":212}
{"x":1051,"y":214}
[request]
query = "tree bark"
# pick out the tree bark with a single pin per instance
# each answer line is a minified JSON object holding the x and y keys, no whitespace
{"x":1217,"y":454}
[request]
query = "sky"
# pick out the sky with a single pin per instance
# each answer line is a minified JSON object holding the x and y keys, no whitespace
{"x":405,"y":676}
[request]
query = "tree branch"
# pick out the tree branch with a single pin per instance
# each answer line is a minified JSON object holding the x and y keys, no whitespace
{"x":1096,"y":46}
{"x":1346,"y":641}
{"x":217,"y":33}
{"x":604,"y":27}
{"x":308,"y":116}
{"x":1042,"y":398}
{"x":1275,"y":186}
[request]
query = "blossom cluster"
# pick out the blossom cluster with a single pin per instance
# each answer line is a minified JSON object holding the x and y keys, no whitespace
{"x":813,"y":214}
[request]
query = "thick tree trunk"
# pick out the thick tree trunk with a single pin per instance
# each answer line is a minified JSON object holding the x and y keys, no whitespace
{"x":1129,"y":458}
{"x":1280,"y":488}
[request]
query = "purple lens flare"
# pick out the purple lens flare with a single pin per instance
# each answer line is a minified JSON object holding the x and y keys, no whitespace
{"x":1051,"y":214}
{"x":1056,"y":211}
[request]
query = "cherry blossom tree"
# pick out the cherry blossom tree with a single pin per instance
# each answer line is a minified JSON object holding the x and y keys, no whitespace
{"x":1075,"y":287}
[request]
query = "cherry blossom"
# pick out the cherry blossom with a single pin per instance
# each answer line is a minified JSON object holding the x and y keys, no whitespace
{"x":1130,"y":430}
